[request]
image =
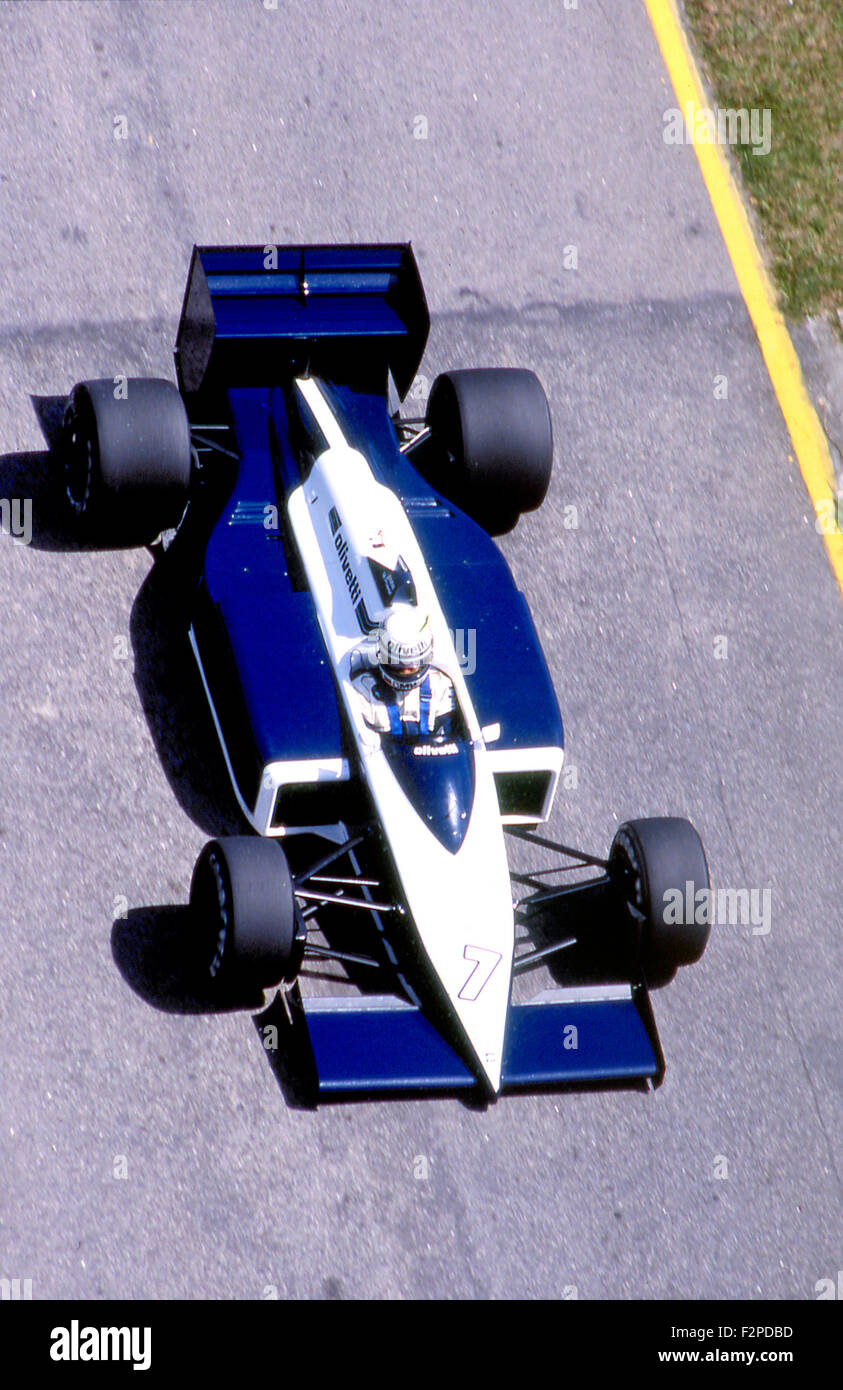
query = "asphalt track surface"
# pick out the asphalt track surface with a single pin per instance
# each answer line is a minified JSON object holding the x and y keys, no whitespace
{"x":544,"y":132}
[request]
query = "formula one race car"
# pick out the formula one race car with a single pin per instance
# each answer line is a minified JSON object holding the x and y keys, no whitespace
{"x":383,"y":705}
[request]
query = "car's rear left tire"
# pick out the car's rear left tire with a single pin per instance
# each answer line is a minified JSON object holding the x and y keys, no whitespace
{"x":243,"y":908}
{"x":493,"y":443}
{"x":126,"y":459}
{"x":659,"y":868}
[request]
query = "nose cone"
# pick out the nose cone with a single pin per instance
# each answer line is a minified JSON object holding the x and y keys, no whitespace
{"x":484,"y":1023}
{"x":438,"y":778}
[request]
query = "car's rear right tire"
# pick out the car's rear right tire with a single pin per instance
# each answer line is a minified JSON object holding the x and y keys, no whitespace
{"x":126,"y":459}
{"x":493,"y":443}
{"x":243,"y":908}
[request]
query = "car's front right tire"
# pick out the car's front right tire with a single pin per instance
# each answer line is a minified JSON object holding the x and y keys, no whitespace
{"x":659,"y":869}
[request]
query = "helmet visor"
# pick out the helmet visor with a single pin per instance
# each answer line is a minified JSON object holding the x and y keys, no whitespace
{"x":405,"y":676}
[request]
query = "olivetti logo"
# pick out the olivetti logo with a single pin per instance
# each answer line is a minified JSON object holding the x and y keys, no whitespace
{"x":341,"y":546}
{"x":350,"y":577}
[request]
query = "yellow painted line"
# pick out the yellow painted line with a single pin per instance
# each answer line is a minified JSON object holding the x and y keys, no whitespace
{"x":809,"y":442}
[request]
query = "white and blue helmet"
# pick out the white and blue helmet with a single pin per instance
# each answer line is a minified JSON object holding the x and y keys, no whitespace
{"x":405,"y":646}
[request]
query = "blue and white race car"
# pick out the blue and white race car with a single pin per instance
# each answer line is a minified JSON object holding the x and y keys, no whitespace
{"x":382,"y":702}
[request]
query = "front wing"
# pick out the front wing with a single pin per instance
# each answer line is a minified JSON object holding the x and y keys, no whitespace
{"x":380,"y":1043}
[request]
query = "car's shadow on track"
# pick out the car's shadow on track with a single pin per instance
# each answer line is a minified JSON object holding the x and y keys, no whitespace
{"x":165,"y":672}
{"x":154,"y":950}
{"x":173,"y":701}
{"x":288,"y":1055}
{"x":32,"y":482}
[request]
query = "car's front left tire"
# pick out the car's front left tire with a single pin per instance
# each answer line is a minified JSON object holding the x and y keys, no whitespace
{"x":244,"y":919}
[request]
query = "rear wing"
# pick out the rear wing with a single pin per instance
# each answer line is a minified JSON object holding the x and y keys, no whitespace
{"x":253,"y":315}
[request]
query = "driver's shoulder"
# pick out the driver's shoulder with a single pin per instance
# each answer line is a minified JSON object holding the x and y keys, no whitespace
{"x":366,"y":681}
{"x":440,"y":682}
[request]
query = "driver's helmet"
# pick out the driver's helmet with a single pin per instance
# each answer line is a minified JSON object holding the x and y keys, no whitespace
{"x":405,"y":646}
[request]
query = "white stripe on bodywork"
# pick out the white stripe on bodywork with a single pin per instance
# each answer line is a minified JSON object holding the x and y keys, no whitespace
{"x":460,"y":902}
{"x":322,"y":413}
